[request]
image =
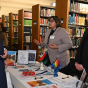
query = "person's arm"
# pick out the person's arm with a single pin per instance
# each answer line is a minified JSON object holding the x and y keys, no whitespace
{"x":66,"y":40}
{"x":42,"y":44}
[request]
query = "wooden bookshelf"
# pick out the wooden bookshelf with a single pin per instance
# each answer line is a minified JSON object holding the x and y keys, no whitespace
{"x":10,"y":30}
{"x":78,"y":13}
{"x":71,"y":25}
{"x":13,"y":30}
{"x":24,"y":29}
{"x":5,"y":23}
{"x":3,"y":20}
{"x":36,"y":9}
{"x":63,"y":11}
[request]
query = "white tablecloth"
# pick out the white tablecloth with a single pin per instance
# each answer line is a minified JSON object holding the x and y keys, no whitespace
{"x":19,"y":82}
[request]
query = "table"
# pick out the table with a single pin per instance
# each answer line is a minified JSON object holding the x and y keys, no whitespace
{"x":20,"y":82}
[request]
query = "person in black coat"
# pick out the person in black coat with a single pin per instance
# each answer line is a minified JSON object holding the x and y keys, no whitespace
{"x":81,"y":58}
{"x":3,"y":54}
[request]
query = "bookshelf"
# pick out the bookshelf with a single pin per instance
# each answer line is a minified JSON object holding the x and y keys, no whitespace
{"x":5,"y":22}
{"x":24,"y":29}
{"x":10,"y":30}
{"x":13,"y":30}
{"x":74,"y":20}
{"x":40,"y":24}
{"x":81,"y":1}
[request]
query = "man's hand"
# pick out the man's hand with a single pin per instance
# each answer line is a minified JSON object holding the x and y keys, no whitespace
{"x":79,"y":66}
{"x":53,"y":46}
{"x":5,"y":54}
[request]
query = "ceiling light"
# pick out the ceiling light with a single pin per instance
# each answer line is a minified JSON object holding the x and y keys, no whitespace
{"x":53,"y":4}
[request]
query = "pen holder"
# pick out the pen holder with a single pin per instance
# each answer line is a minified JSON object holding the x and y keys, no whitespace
{"x":42,"y":66}
{"x":56,"y":70}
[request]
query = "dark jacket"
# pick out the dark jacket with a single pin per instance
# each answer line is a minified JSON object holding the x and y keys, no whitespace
{"x":82,"y":52}
{"x":2,"y":66}
{"x":3,"y":81}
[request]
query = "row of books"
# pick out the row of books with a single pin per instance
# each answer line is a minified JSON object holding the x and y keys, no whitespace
{"x":41,"y":39}
{"x":76,"y":19}
{"x":47,"y":12}
{"x":15,"y":17}
{"x":15,"y":29}
{"x":15,"y":35}
{"x":6,"y":24}
{"x":76,"y":42}
{"x":44,"y":22}
{"x":43,"y":30}
{"x":76,"y":32}
{"x":27,"y":47}
{"x":27,"y":34}
{"x":27,"y":29}
{"x":7,"y":29}
{"x":7,"y":18}
{"x":72,"y":53}
{"x":15,"y":23}
{"x":27,"y":22}
{"x":27,"y":39}
{"x":15,"y":41}
{"x":78,"y":7}
{"x":7,"y":34}
{"x":28,"y":15}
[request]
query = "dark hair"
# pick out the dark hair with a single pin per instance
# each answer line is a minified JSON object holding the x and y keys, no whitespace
{"x":3,"y":28}
{"x":57,"y":21}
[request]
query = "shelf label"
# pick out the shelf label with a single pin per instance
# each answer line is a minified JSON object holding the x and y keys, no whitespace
{"x":34,"y":22}
{"x":19,"y":23}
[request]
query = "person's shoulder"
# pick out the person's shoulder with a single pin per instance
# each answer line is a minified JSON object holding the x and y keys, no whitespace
{"x":61,"y":29}
{"x":48,"y":31}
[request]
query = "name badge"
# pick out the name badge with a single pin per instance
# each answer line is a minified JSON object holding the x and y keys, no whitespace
{"x":52,"y":37}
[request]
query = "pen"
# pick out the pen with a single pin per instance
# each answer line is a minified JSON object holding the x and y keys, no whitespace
{"x":37,"y":69}
{"x":65,"y":77}
{"x":38,"y":77}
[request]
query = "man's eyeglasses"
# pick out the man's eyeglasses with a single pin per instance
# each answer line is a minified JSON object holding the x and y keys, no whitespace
{"x":51,"y":21}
